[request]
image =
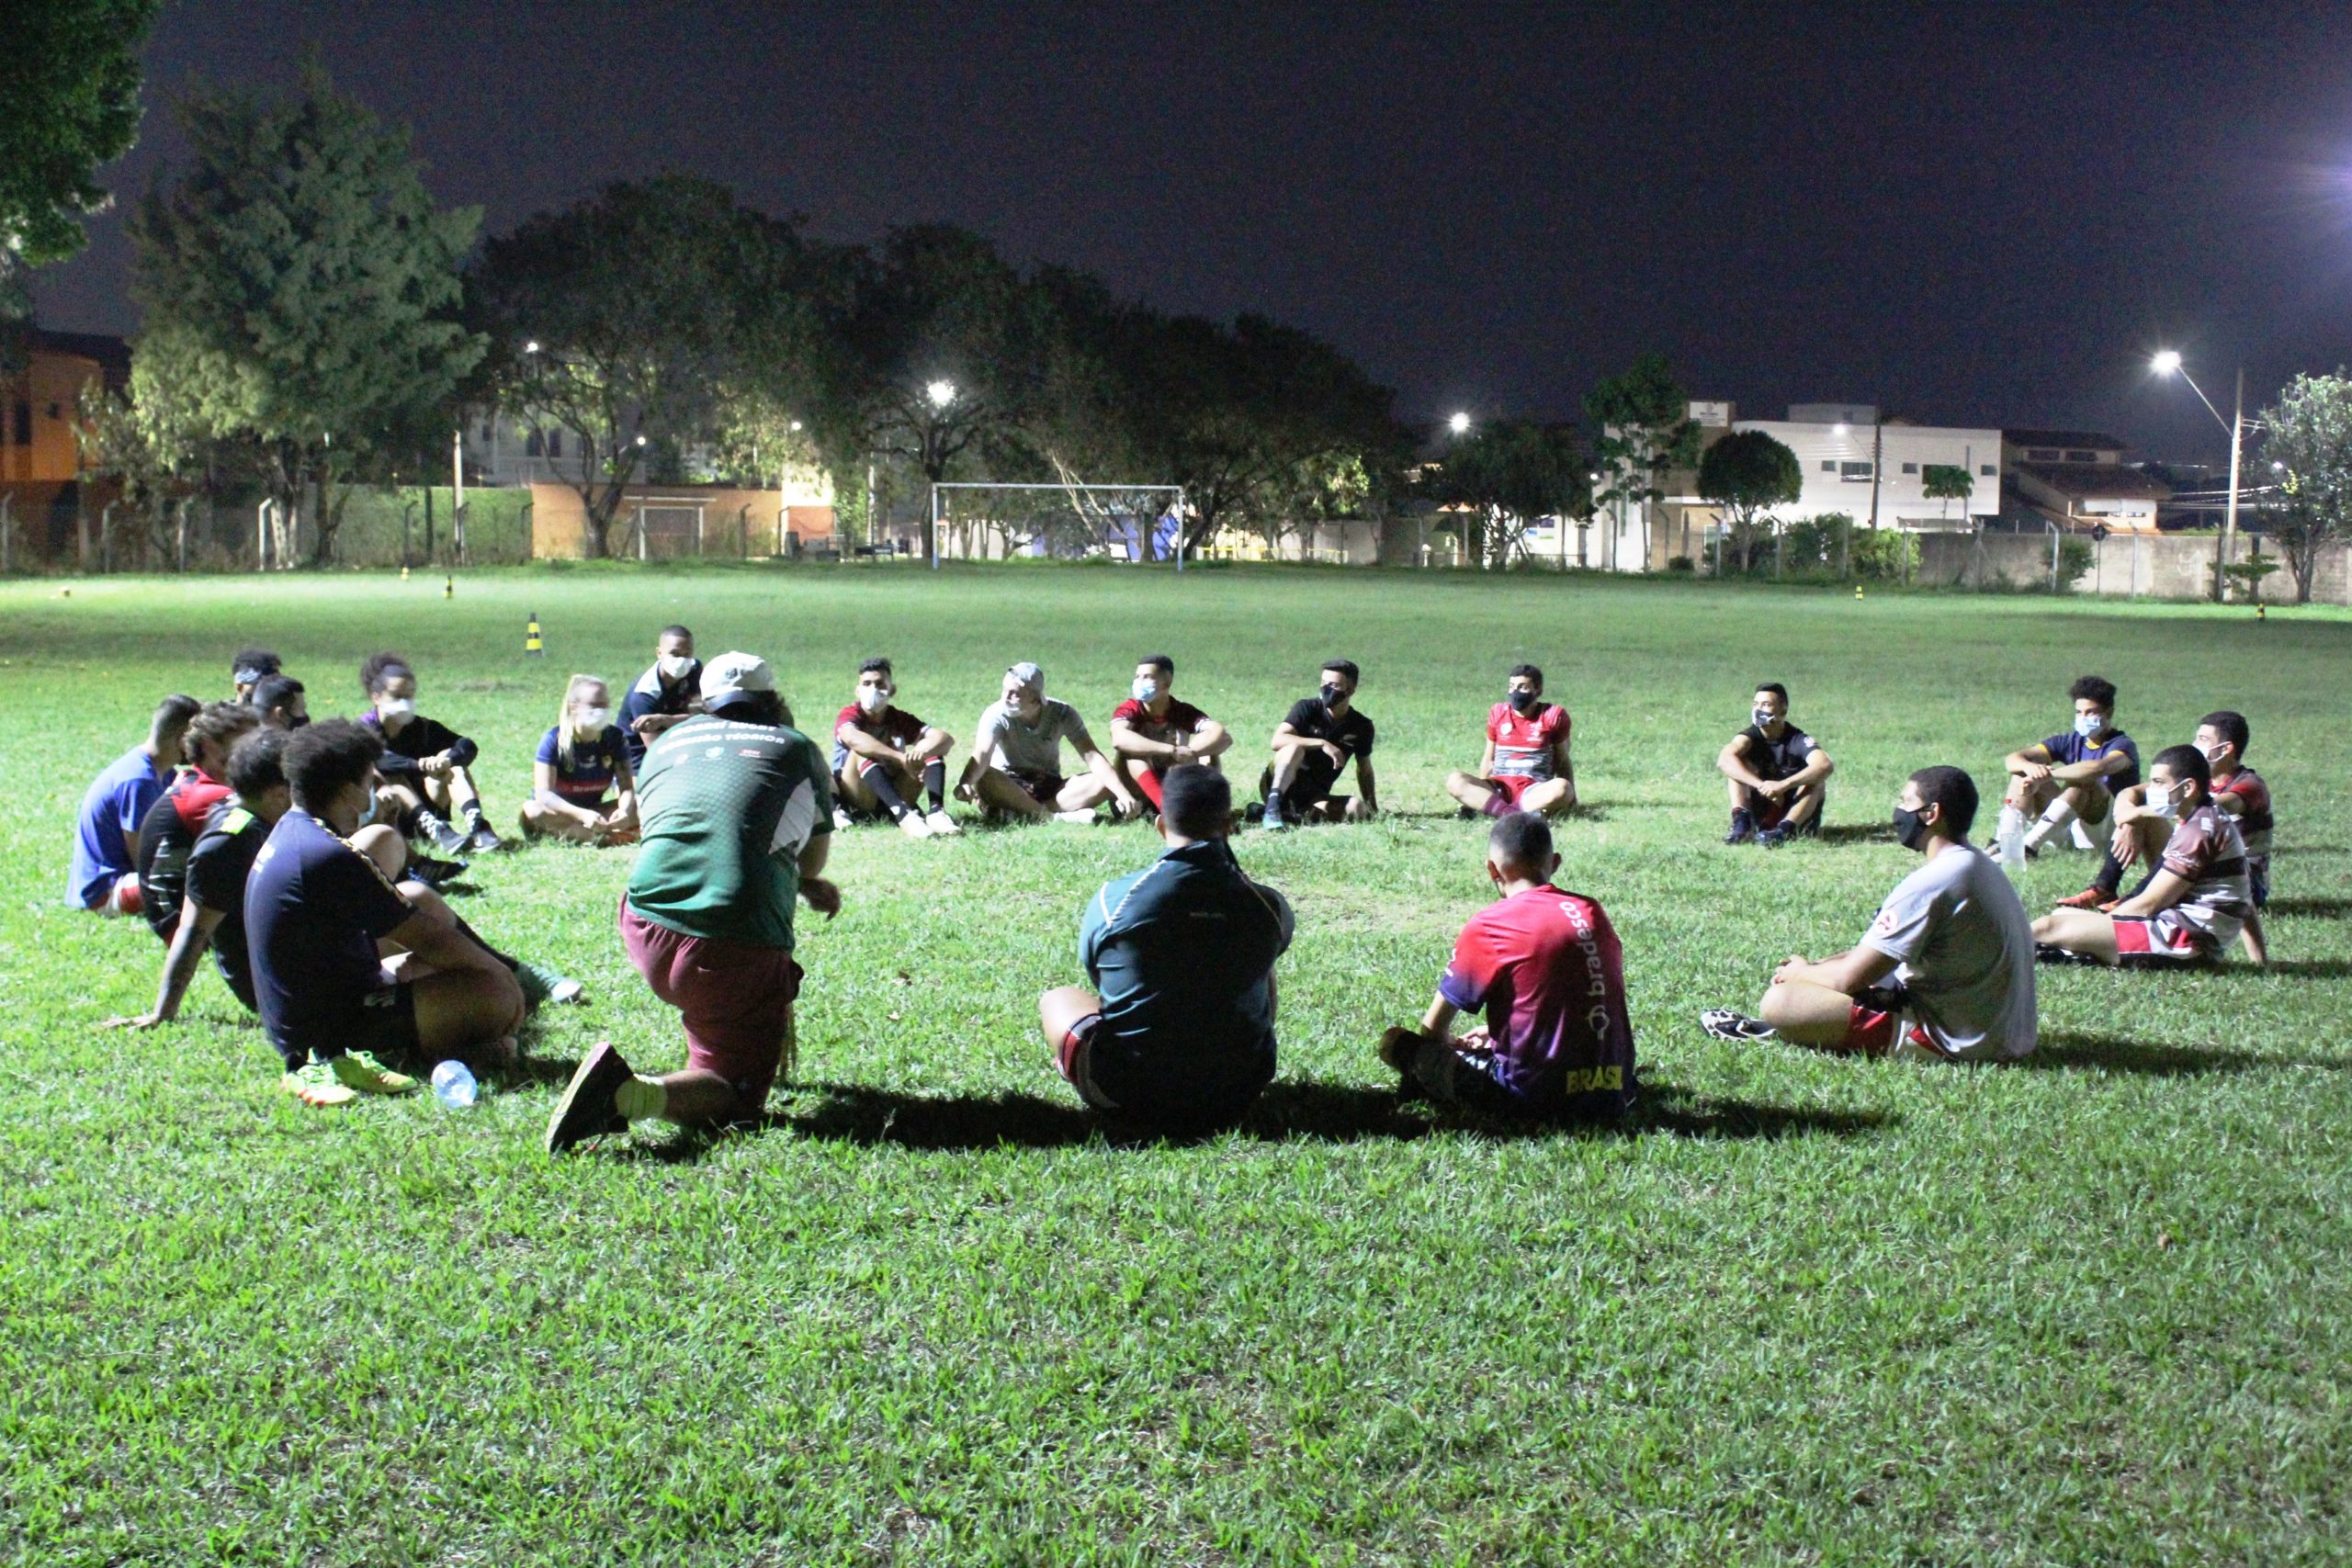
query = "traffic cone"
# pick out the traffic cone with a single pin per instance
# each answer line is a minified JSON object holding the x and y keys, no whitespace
{"x":531,"y":635}
{"x":1857,"y":591}
{"x":449,"y":586}
{"x":403,"y":574}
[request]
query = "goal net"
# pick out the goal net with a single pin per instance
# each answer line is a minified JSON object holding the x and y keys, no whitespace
{"x":1138,"y":525}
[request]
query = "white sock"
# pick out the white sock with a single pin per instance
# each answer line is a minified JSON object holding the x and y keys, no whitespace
{"x":2057,"y":817}
{"x":641,"y":1098}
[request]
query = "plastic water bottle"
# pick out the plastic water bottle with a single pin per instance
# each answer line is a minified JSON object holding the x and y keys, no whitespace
{"x":2010,"y":843}
{"x":453,"y":1086}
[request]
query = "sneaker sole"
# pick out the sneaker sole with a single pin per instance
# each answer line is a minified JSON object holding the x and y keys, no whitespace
{"x":603,"y":1064}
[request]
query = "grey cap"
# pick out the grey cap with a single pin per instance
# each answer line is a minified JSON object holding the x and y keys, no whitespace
{"x":1028,"y":674}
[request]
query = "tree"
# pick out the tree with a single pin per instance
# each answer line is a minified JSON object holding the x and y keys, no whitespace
{"x":151,"y":441}
{"x":1646,"y":430}
{"x":1747,"y":474}
{"x":1514,"y":473}
{"x":2308,"y":431}
{"x":1946,"y":481}
{"x":301,"y":290}
{"x":69,"y":76}
{"x":653,"y":316}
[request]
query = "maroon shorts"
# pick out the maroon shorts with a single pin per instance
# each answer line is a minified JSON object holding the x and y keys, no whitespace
{"x":734,"y":998}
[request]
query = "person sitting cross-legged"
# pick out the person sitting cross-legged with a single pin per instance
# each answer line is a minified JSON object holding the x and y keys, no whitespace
{"x":1312,"y":746}
{"x":887,"y":763}
{"x":1153,"y":731}
{"x":167,"y":834}
{"x":582,"y":789}
{"x":104,"y":877}
{"x":1177,"y":1033}
{"x":281,"y":703}
{"x":2198,"y":901}
{"x":1525,"y":766}
{"x":736,"y":813}
{"x":1016,"y":766}
{"x":337,"y":1008}
{"x":1545,"y":967}
{"x":1779,"y":775}
{"x":427,"y":767}
{"x":1945,"y":972}
{"x":2069,"y":780}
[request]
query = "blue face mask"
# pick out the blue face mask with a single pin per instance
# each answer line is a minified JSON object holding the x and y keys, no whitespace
{"x":369,"y":815}
{"x":1145,"y":691}
{"x":2089,"y":725}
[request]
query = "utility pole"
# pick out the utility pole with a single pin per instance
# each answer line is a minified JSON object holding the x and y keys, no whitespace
{"x":2229,"y":515}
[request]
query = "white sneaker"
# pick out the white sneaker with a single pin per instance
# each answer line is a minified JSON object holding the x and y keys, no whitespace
{"x":942,"y":826}
{"x":841,"y":819}
{"x":565,"y":992}
{"x":912,"y":826}
{"x":1077,"y":818}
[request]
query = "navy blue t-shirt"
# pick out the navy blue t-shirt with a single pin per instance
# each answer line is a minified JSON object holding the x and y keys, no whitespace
{"x":217,"y":869}
{"x":315,"y":907}
{"x":588,"y":777}
{"x":649,"y":695}
{"x":2071,"y":747}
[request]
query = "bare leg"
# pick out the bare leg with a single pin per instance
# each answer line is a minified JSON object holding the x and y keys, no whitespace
{"x":542,"y":822}
{"x":385,"y":846}
{"x":1807,"y":1014}
{"x":1061,"y":1009}
{"x":459,"y":790}
{"x":2258,"y":946}
{"x":1804,"y":811}
{"x":1083,"y":793}
{"x":850,"y":784}
{"x":470,"y":1015}
{"x":1286,"y":764}
{"x":999,"y":792}
{"x":2086,"y":931}
{"x":1470,"y":790}
{"x":693,"y":1098}
{"x":1553,"y":798}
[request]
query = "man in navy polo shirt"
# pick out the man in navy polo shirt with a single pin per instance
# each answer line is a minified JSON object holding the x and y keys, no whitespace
{"x":316,"y":909}
{"x":668,"y":693}
{"x":2071,"y":779}
{"x":1178,"y":1034}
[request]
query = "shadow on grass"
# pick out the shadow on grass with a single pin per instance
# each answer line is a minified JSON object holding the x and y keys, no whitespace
{"x":1855,"y":832}
{"x":2312,"y":908}
{"x":2293,"y":968}
{"x":1290,"y":1110}
{"x":2069,"y":1053}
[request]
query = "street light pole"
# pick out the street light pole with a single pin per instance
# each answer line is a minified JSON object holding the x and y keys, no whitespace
{"x":2229,"y":515}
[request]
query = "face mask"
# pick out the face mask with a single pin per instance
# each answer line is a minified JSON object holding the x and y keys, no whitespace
{"x":873,"y":699}
{"x":369,"y":815}
{"x":1522,"y":701}
{"x":1331,"y":695}
{"x":1763,"y":718}
{"x":1910,"y":830}
{"x":2162,"y":805}
{"x":2089,"y":725}
{"x":675,"y":666}
{"x":2214,"y":754}
{"x":594,"y":720}
{"x":1145,"y":691}
{"x":296,"y":721}
{"x":395,"y":707}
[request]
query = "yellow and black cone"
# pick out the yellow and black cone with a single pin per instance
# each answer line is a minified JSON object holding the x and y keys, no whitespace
{"x":531,"y":635}
{"x":449,"y":587}
{"x":1857,"y":591}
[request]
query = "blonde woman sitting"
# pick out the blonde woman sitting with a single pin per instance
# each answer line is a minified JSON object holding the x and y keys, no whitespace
{"x":582,"y":789}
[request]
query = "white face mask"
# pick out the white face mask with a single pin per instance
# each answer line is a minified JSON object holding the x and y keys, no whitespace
{"x":2089,"y":725}
{"x":2214,"y":754}
{"x":673,"y":666}
{"x":1145,"y":691}
{"x":593,"y":721}
{"x":873,"y":699}
{"x":396,"y":707}
{"x":2161,"y":805}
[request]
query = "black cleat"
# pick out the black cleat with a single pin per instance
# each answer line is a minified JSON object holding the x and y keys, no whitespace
{"x":586,"y":1109}
{"x":435,"y":873}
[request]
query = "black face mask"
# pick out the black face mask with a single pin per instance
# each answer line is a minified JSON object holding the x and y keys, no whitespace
{"x":1522,"y":701}
{"x":296,"y":721}
{"x":1910,"y":828}
{"x":1331,"y":695}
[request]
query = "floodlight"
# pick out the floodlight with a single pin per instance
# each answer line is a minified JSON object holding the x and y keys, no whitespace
{"x":1459,"y":425}
{"x":940,"y":393}
{"x":2165,"y":364}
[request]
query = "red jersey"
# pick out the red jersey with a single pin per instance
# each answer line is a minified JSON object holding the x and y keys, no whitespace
{"x":1545,"y":968}
{"x":2254,"y":818}
{"x":894,"y":726}
{"x":194,"y":797}
{"x":1173,"y":728}
{"x":1525,"y":742}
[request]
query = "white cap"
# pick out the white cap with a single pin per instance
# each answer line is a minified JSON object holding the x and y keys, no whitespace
{"x":733,"y":674}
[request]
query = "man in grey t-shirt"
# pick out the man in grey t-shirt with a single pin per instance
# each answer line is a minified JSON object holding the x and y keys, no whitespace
{"x":1016,"y":766}
{"x":1945,"y":972}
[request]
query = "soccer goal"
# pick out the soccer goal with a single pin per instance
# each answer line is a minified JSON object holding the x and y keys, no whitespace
{"x":1139,"y":524}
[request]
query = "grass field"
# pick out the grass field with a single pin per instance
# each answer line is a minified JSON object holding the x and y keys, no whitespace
{"x":2086,"y":1309}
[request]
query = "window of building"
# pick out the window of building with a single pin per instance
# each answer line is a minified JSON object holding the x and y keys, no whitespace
{"x":2074,"y":457}
{"x":1829,"y":465}
{"x":554,"y":442}
{"x":1910,"y":467}
{"x":2042,"y":453}
{"x":1852,"y":472}
{"x":22,"y":431}
{"x":1988,"y":470}
{"x":534,"y":445}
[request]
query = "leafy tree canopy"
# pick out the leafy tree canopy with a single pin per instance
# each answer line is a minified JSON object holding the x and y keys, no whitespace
{"x":69,"y":103}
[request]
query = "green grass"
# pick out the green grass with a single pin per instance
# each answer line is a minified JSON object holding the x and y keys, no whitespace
{"x":2088,"y":1309}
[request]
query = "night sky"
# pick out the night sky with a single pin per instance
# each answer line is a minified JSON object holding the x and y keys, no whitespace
{"x":1971,"y":213}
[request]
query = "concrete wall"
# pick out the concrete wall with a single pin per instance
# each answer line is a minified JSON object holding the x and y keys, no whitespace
{"x":559,"y":520}
{"x":2122,"y":566}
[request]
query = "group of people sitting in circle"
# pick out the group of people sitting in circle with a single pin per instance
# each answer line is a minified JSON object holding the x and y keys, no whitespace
{"x":283,"y":847}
